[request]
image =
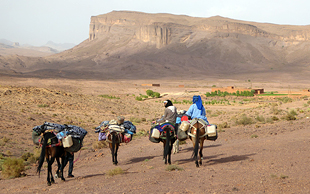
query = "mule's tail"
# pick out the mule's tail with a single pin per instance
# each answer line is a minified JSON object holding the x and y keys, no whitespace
{"x":42,"y":155}
{"x":196,"y":148}
{"x":167,"y":150}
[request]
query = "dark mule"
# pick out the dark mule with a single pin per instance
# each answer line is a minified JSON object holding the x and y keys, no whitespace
{"x":114,"y":140}
{"x":51,"y":150}
{"x":168,"y":139}
{"x":197,"y":133}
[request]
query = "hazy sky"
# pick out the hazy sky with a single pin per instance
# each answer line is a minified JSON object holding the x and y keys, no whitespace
{"x":36,"y":22}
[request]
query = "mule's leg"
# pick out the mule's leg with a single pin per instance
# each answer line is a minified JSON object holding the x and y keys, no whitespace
{"x":50,"y":178}
{"x":164,"y":157}
{"x":59,"y":166}
{"x":62,"y":166}
{"x":200,"y":151}
{"x":115,"y":154}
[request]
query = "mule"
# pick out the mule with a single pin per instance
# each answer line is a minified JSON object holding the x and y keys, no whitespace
{"x":197,"y":134}
{"x":114,"y":140}
{"x":51,"y":150}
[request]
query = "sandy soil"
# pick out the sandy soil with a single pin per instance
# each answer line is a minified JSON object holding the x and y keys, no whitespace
{"x":263,"y":157}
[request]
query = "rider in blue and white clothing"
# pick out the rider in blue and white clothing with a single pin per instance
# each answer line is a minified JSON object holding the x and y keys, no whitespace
{"x":197,"y":110}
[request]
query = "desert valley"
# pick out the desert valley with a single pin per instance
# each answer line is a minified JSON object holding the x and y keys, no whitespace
{"x":263,"y":140}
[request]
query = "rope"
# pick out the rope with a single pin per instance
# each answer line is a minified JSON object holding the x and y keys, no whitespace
{"x":78,"y":157}
{"x":192,"y":123}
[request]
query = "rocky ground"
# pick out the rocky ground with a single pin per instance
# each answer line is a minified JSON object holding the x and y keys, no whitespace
{"x":267,"y":156}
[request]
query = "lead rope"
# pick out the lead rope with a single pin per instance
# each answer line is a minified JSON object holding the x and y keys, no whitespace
{"x":78,"y":157}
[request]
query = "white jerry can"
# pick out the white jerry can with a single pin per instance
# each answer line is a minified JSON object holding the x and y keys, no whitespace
{"x":67,"y":141}
{"x":211,"y":130}
{"x":184,"y":126}
{"x":155,"y":133}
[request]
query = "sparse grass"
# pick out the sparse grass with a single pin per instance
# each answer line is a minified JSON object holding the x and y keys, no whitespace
{"x":285,"y":99}
{"x":290,"y":116}
{"x":283,"y":176}
{"x":260,"y":119}
{"x":223,"y":125}
{"x":140,"y":133}
{"x":99,"y":145}
{"x":108,"y":96}
{"x":173,"y":167}
{"x":12,"y":167}
{"x":244,"y":120}
{"x":115,"y":171}
{"x":254,"y":136}
{"x":43,"y":105}
{"x":135,"y":120}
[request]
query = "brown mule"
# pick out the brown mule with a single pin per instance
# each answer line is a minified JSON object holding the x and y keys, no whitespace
{"x":51,"y":150}
{"x":197,"y":133}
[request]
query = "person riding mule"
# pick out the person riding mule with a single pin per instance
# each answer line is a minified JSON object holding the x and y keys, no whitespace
{"x":166,"y":126}
{"x":198,"y":127}
{"x":197,"y":110}
{"x":51,"y":149}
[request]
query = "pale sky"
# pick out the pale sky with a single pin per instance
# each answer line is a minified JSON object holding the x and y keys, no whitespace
{"x":36,"y":22}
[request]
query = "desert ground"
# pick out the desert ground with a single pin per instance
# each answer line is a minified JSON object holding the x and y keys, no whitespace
{"x":270,"y":154}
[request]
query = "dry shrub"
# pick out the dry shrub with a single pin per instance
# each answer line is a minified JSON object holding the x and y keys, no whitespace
{"x":99,"y":145}
{"x":12,"y":167}
{"x":115,"y":171}
{"x":173,"y":167}
{"x":223,"y":125}
{"x":244,"y":120}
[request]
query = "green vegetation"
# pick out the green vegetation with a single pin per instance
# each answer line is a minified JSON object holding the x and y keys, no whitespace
{"x":254,"y":136}
{"x":43,"y":105}
{"x":285,"y":99}
{"x":223,"y":94}
{"x":152,"y":94}
{"x":108,"y":96}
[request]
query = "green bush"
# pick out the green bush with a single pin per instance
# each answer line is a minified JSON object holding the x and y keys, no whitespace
{"x":138,"y":98}
{"x":12,"y":167}
{"x":149,"y":92}
{"x":156,"y":95}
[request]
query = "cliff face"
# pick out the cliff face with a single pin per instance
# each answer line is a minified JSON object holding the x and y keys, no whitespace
{"x":135,"y":45}
{"x":163,"y":29}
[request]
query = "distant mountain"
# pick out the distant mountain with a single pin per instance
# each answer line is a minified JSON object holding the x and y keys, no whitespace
{"x":135,"y":45}
{"x":14,"y":48}
{"x":60,"y":47}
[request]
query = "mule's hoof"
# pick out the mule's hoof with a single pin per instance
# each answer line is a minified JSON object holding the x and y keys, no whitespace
{"x":49,"y":184}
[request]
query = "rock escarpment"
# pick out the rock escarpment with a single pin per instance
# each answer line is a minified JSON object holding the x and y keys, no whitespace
{"x":162,"y":29}
{"x":135,"y":45}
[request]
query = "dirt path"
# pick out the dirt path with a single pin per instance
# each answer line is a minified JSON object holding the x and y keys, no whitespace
{"x":233,"y":163}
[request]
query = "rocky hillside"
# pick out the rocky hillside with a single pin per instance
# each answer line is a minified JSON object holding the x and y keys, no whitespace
{"x":135,"y":45}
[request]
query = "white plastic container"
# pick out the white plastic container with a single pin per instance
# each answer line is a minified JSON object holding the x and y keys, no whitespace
{"x":211,"y":130}
{"x":155,"y":133}
{"x":67,"y":141}
{"x":184,"y":126}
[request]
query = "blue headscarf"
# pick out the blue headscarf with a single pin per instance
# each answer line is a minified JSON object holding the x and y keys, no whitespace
{"x":198,"y":102}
